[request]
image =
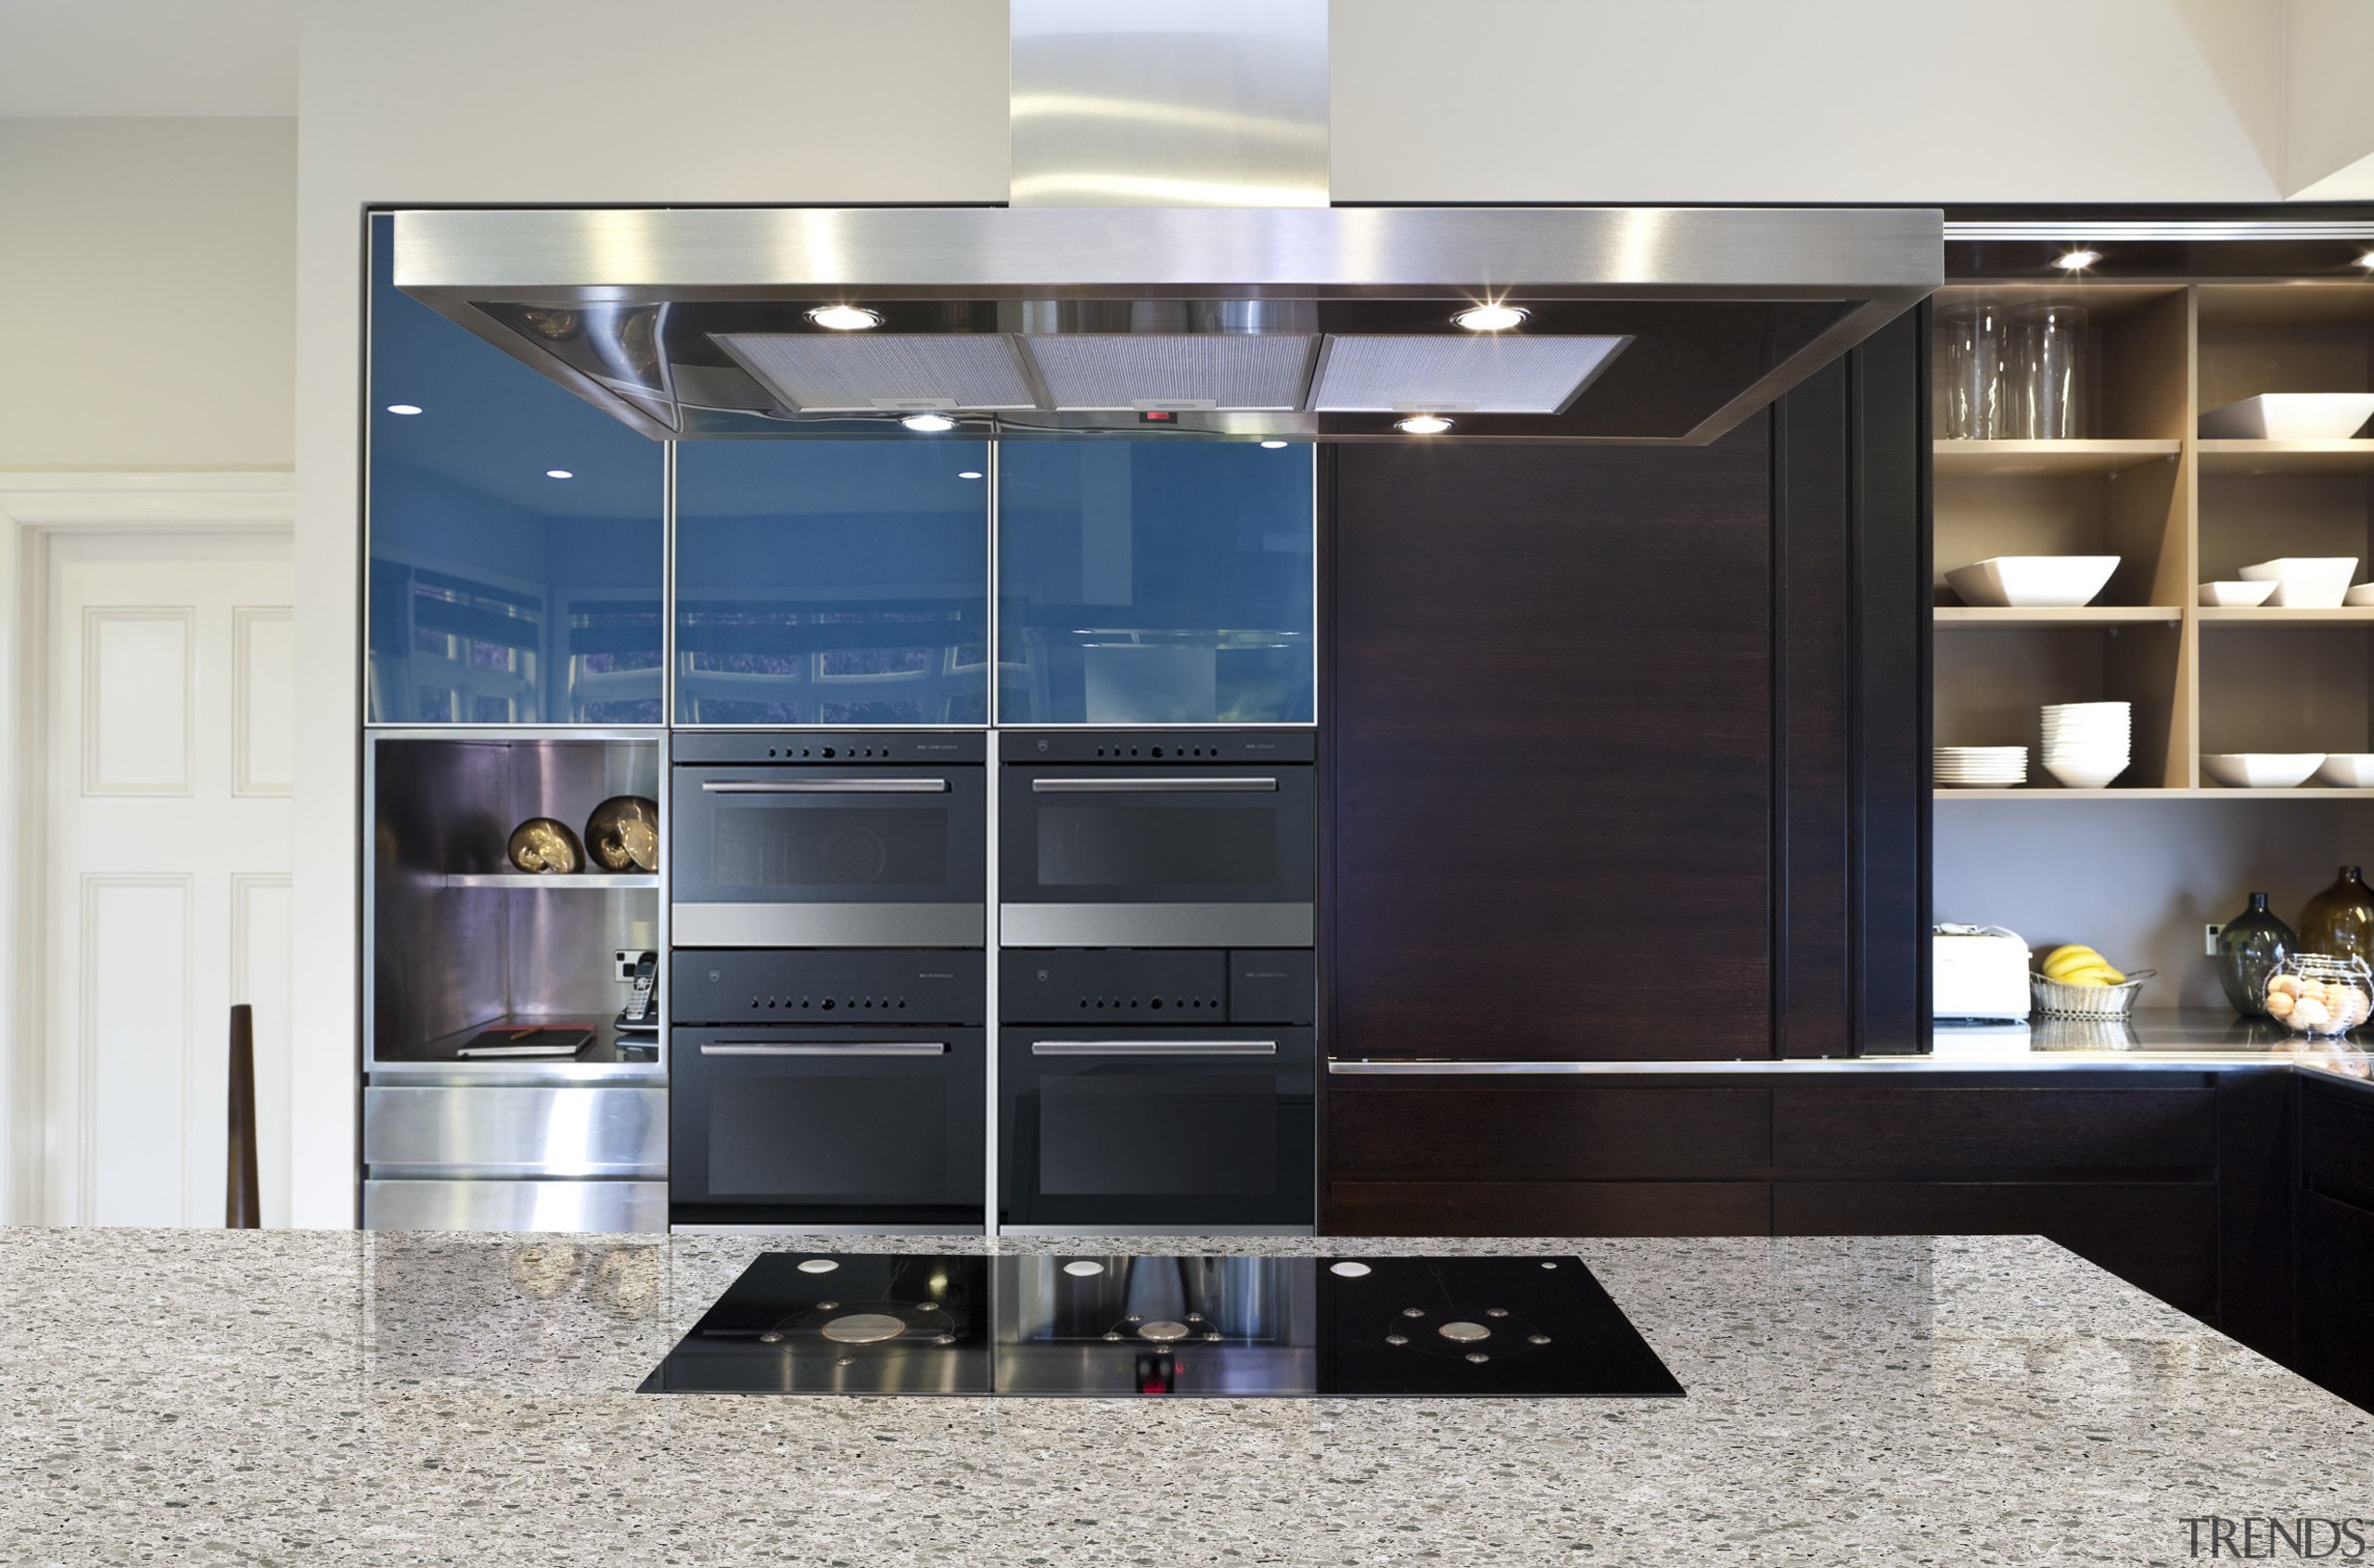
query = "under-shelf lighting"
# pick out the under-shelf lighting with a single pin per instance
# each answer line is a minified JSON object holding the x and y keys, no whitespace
{"x":2367,"y":261}
{"x":1422,"y":425}
{"x":404,"y":408}
{"x":1273,"y":446}
{"x":2077,"y":260}
{"x":845,"y":318}
{"x":929,"y":424}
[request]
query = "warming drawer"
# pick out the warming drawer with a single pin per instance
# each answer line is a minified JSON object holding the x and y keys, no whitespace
{"x":516,"y":1131}
{"x":597,"y":1207}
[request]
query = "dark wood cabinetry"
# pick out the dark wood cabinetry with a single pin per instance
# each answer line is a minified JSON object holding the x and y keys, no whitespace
{"x":1622,"y":742}
{"x":2176,"y":1181}
{"x":2335,"y":1238}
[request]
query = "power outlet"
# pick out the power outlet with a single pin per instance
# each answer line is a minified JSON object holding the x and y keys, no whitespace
{"x":625,"y":963}
{"x":2209,"y":939}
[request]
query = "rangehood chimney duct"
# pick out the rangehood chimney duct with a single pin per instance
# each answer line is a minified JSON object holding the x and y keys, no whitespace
{"x":1168,"y":265}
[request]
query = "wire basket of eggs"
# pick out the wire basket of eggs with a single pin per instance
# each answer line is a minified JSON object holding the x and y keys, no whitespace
{"x":2316,"y":994}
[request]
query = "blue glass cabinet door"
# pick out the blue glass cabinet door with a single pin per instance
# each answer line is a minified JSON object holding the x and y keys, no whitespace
{"x":833,"y":581}
{"x":500,"y":592}
{"x":1154,"y":582}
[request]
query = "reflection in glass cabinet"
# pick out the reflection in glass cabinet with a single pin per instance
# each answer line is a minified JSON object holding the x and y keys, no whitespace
{"x":515,"y":535}
{"x":832,"y":582}
{"x":1154,"y":582}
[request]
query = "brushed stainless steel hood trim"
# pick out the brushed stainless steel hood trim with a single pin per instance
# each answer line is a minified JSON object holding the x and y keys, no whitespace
{"x":1725,"y":307}
{"x":1167,"y":264}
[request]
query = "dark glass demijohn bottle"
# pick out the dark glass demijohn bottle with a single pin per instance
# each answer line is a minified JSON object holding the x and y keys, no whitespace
{"x":2339,"y":922}
{"x":2249,"y":947}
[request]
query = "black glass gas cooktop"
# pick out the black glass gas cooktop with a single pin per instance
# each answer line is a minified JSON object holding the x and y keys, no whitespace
{"x":1115,"y":1326}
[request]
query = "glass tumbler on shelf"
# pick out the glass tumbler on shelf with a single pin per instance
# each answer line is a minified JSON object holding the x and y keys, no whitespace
{"x":2047,"y":389}
{"x":1972,"y":349}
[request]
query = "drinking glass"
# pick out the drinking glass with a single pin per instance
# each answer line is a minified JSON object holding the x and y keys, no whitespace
{"x":2049,"y":394}
{"x":1973,"y":346}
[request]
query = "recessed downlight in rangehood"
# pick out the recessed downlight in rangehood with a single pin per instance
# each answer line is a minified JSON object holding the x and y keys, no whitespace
{"x":1662,"y":324}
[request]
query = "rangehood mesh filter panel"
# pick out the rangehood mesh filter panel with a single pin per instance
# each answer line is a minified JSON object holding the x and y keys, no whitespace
{"x":1481,"y":375}
{"x":862,"y":372}
{"x":1112,"y":371}
{"x":1659,"y":325}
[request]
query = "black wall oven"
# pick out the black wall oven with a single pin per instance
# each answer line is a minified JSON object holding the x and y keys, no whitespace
{"x":1158,"y":1091}
{"x":822,"y":840}
{"x":1157,"y":839}
{"x":840,"y":1088}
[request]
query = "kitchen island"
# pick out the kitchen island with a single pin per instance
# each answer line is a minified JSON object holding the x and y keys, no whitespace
{"x":388,"y":1397}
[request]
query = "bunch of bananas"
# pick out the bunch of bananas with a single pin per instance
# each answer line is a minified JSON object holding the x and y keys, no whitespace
{"x":2080,"y":966}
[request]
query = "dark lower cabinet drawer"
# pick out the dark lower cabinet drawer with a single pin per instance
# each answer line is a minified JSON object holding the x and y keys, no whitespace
{"x":2336,"y":1283}
{"x":2013,"y":1134}
{"x":1548,"y":1208}
{"x":2161,"y":1239}
{"x":2337,"y":1143}
{"x":1526,"y":1128}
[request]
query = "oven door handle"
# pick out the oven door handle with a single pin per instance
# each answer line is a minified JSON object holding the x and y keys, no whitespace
{"x":803,"y":1048}
{"x":824,"y":786}
{"x":1187,"y":785}
{"x":1153,"y":1048}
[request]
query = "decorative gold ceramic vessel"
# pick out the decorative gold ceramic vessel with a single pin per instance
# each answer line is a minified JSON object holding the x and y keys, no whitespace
{"x":545,"y":845}
{"x":623,"y":834}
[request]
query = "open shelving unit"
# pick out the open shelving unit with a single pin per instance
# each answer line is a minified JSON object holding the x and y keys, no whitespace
{"x":2179,"y":510}
{"x":2140,"y":868}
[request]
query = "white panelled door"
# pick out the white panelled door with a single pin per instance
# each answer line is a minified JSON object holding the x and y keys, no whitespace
{"x":169,"y":697}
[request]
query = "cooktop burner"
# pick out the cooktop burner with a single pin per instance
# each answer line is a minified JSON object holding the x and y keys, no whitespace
{"x":1130,"y":1326}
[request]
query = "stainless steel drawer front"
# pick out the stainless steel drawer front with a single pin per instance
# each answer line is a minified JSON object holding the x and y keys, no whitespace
{"x":826,"y":925}
{"x":516,"y":1131}
{"x":591,"y":1207}
{"x":1153,"y":1048}
{"x":1153,"y":925}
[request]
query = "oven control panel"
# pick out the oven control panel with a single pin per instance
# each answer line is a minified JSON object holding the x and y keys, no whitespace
{"x":1146,"y":986}
{"x":746,"y":985}
{"x":827,"y":745}
{"x":1157,"y":745}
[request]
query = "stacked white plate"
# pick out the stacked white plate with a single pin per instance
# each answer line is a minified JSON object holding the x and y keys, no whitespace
{"x":2089,"y":743}
{"x":1982,"y":767}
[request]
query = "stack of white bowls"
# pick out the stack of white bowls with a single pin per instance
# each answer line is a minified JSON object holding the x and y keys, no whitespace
{"x":1982,"y":767}
{"x":2089,"y":743}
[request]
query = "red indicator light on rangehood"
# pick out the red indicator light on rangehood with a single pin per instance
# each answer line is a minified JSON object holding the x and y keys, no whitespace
{"x":1157,"y":417}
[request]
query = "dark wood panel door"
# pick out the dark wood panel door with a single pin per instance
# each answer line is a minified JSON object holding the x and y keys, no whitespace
{"x":1551,"y":751}
{"x":2161,"y":1239}
{"x":1548,"y":1208}
{"x":2336,"y":1282}
{"x":2005,"y":1134}
{"x":1521,"y":1129}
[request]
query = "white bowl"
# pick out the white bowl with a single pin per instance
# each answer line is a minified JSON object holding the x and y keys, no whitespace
{"x":2241,"y":593}
{"x":2291,"y":416}
{"x":2261,"y":770}
{"x":2032,"y":582}
{"x":2361,"y":594}
{"x":2305,"y":582}
{"x":2348,"y":770}
{"x":2084,"y":775}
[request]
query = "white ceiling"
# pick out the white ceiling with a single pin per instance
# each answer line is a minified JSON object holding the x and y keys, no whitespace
{"x":69,"y":57}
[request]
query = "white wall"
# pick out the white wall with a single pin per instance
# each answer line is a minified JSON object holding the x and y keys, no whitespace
{"x":1843,"y":100}
{"x":147,"y":293}
{"x":2329,"y":108}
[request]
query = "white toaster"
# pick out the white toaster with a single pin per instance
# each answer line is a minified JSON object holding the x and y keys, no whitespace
{"x":1977,"y":972}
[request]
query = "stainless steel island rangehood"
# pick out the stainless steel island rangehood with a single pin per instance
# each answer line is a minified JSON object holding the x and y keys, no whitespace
{"x":1167,"y":263}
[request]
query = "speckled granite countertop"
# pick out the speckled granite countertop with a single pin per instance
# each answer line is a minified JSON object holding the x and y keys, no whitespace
{"x":302,"y":1398}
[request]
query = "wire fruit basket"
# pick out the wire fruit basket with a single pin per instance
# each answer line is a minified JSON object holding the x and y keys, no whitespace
{"x":2058,"y":998}
{"x":2318,"y":994}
